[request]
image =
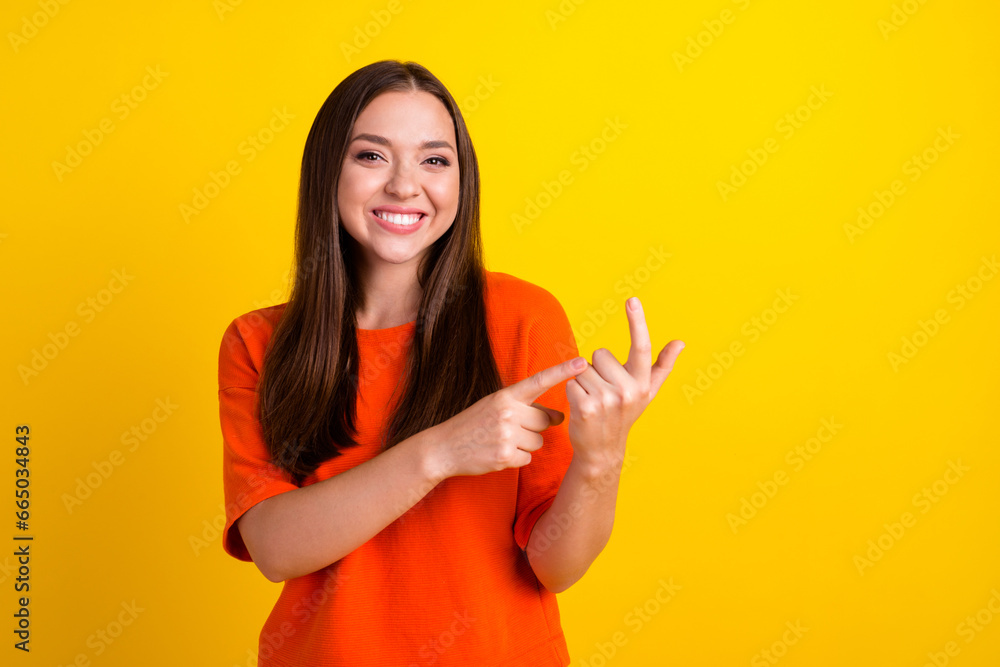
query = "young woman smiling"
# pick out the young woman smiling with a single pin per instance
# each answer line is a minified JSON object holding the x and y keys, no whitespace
{"x":396,"y":447}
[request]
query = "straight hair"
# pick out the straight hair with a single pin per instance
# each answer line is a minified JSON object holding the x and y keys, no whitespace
{"x":308,"y":387}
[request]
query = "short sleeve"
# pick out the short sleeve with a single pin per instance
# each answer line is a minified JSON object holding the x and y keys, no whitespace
{"x":550,"y":342}
{"x":247,"y":472}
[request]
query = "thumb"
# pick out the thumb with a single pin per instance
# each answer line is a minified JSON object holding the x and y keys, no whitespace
{"x":555,"y":416}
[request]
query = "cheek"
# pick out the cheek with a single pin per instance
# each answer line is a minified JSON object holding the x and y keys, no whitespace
{"x":356,"y":185}
{"x":446,"y":193}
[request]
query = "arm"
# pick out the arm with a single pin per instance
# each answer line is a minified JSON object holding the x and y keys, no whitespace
{"x":303,"y":530}
{"x":300,"y":530}
{"x":605,"y":401}
{"x":290,"y":530}
{"x":571,"y":533}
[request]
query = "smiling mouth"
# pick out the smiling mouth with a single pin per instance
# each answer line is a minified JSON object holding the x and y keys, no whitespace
{"x":401,"y":219}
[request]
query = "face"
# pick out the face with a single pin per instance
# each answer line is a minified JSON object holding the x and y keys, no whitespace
{"x":399,"y":185}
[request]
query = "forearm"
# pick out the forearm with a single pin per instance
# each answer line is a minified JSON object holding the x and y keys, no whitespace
{"x":300,"y":531}
{"x":568,"y":537}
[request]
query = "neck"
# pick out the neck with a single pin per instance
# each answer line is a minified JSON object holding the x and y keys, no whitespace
{"x":391,"y":297}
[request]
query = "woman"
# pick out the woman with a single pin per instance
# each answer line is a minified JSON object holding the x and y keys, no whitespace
{"x":395,"y":444}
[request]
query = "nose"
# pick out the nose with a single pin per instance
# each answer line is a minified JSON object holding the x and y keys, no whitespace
{"x":403,"y":182}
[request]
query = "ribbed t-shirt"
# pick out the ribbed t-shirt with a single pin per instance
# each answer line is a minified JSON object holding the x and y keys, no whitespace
{"x":448,"y":582}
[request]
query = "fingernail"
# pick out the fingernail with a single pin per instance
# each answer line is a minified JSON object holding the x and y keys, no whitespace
{"x":633,"y":303}
{"x":578,"y":363}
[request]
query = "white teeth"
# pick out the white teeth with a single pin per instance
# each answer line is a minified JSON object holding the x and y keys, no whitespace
{"x":399,"y":219}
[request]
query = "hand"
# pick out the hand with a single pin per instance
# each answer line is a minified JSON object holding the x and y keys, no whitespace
{"x":500,"y":430}
{"x":607,"y":398}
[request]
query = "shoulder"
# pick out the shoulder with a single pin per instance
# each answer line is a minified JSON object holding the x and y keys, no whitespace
{"x":509,"y":297}
{"x":244,"y":342}
{"x":529,"y":327}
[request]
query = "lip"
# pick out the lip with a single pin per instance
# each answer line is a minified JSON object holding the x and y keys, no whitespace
{"x":397,"y":229}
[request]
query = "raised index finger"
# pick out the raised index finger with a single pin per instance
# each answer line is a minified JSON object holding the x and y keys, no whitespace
{"x":531,"y":387}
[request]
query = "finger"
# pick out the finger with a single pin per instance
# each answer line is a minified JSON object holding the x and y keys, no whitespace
{"x":640,"y":352}
{"x":589,"y":380}
{"x":608,"y":370}
{"x":604,"y":372}
{"x":575,"y":391}
{"x":521,"y":459}
{"x":530,"y":388}
{"x":664,"y":364}
{"x":531,"y":444}
{"x":552,"y":417}
{"x":536,"y":417}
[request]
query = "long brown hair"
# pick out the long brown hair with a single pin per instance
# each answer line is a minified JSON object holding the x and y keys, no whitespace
{"x":308,"y":387}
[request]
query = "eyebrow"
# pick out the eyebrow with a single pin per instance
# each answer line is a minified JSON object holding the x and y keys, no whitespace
{"x":382,"y":141}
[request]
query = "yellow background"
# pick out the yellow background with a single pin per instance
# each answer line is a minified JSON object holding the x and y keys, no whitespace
{"x":537,"y":81}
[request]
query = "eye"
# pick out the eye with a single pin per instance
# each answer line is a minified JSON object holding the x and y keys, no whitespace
{"x":362,"y":156}
{"x":442,"y":162}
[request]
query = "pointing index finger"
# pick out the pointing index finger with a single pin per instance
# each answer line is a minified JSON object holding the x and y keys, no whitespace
{"x":533,"y":386}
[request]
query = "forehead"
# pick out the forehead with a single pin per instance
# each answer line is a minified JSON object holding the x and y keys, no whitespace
{"x":406,"y":117}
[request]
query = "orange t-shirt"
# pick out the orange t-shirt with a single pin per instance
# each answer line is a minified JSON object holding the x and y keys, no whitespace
{"x":447,"y":583}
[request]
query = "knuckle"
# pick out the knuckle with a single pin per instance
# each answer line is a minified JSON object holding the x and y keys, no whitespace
{"x":503,"y":457}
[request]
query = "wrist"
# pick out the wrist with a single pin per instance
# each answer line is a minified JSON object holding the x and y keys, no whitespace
{"x":430,"y":459}
{"x":593,"y":468}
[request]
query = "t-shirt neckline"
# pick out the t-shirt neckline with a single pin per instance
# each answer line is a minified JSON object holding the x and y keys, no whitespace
{"x":387,"y":334}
